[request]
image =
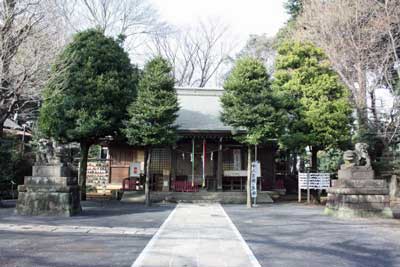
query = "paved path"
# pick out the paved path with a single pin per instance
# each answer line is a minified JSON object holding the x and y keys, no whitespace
{"x":197,"y":235}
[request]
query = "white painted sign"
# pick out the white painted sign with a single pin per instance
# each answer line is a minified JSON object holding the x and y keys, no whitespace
{"x":242,"y":173}
{"x":316,"y":181}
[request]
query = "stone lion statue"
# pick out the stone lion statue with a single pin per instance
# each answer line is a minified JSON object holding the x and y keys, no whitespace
{"x":45,"y":151}
{"x":363,"y":159}
{"x":357,"y":157}
{"x":49,"y":152}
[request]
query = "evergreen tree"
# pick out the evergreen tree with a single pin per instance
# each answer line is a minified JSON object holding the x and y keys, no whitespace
{"x":293,"y":8}
{"x":318,"y":103}
{"x":153,"y":114}
{"x":250,"y":104}
{"x":91,"y":84}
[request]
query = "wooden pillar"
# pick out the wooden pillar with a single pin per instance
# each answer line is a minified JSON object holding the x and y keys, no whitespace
{"x":173,"y":167}
{"x":220,"y":170}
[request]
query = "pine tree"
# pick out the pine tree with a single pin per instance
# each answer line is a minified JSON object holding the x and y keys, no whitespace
{"x":316,"y":100}
{"x":250,"y":104}
{"x":153,"y":114}
{"x":91,"y":85}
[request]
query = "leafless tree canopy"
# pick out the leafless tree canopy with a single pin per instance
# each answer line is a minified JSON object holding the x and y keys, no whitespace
{"x":197,"y":53}
{"x":361,"y":39}
{"x":133,"y":19}
{"x":261,"y":47}
{"x":29,"y":40}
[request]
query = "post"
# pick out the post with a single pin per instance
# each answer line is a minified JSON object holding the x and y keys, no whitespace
{"x":173,"y":167}
{"x":308,"y":186}
{"x":299,"y":188}
{"x":219,"y":166}
{"x":204,"y":163}
{"x":248,"y":198}
{"x":192,"y":162}
{"x":147,"y":182}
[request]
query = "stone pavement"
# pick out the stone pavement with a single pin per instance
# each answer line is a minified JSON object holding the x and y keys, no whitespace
{"x":106,"y":234}
{"x":299,"y":235}
{"x":197,"y":235}
{"x":68,"y":229}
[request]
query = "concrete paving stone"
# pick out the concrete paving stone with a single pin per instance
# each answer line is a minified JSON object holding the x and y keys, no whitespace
{"x":197,"y":235}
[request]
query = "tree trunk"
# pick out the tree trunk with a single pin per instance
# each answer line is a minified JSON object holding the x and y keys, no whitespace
{"x":82,"y":168}
{"x":361,"y":102}
{"x":314,"y":159}
{"x":374,"y":109}
{"x":147,"y":182}
{"x":248,"y":177}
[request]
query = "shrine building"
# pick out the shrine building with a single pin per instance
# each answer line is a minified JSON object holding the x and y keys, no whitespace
{"x":206,"y":157}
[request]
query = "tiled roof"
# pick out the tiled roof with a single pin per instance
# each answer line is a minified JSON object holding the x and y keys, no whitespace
{"x":10,"y":124}
{"x":200,"y":109}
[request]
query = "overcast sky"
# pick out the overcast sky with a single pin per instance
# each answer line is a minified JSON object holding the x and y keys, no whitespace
{"x":244,"y":17}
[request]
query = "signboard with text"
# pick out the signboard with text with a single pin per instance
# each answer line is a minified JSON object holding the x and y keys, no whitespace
{"x":255,"y":173}
{"x":315,"y":181}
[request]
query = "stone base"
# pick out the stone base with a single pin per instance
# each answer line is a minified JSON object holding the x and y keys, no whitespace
{"x":48,"y":203}
{"x":346,"y":213}
{"x":355,"y":173}
{"x":395,"y":206}
{"x":358,"y":205}
{"x":58,"y":170}
{"x":49,"y":195}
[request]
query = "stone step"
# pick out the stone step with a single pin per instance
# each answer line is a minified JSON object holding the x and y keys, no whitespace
{"x":195,"y":197}
{"x":358,"y":191}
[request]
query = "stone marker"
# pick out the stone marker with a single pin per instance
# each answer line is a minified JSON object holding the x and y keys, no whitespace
{"x":356,"y":192}
{"x":52,"y":189}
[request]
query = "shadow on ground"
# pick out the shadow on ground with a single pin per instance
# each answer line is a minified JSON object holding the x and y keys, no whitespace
{"x":289,"y":234}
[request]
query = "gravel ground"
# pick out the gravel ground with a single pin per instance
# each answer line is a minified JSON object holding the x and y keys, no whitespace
{"x":77,"y":249}
{"x":291,"y":234}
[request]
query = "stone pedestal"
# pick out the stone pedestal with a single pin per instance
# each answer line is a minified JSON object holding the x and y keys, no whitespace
{"x":357,"y":193}
{"x":50,"y":191}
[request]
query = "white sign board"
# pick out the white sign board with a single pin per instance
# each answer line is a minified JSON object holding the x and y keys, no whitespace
{"x":316,"y":181}
{"x":134,"y":169}
{"x":255,"y":172}
{"x":237,"y":160}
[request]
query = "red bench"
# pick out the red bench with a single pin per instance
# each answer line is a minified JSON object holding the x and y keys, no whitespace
{"x":185,"y":186}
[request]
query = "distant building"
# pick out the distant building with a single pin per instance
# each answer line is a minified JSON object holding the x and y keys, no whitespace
{"x":12,"y":128}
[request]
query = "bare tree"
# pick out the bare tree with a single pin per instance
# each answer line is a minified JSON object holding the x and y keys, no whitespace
{"x":197,"y":53}
{"x":134,"y":20}
{"x":261,"y":47}
{"x":358,"y":37}
{"x":28,"y":42}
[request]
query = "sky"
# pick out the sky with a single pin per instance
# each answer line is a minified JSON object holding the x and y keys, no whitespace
{"x":244,"y":17}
